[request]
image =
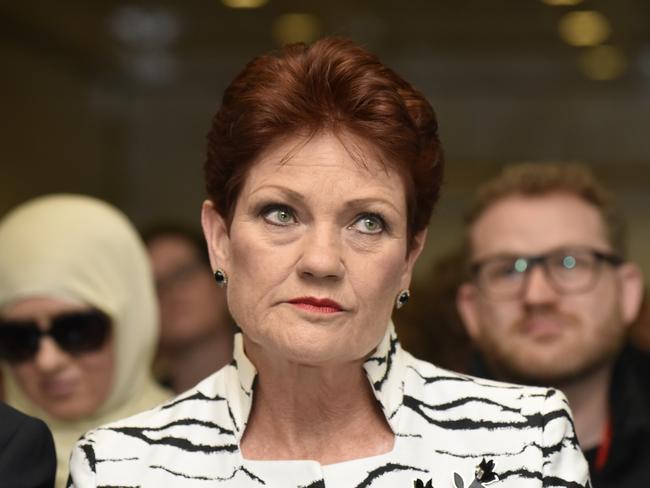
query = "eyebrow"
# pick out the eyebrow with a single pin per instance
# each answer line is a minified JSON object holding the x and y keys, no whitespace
{"x":362,"y":202}
{"x":357,"y":202}
{"x":294,"y":195}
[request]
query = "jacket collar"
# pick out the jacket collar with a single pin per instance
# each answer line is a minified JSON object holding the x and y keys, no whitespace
{"x":384,"y":369}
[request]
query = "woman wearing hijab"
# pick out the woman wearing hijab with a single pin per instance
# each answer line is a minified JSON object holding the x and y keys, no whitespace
{"x":323,"y":168}
{"x":78,"y":322}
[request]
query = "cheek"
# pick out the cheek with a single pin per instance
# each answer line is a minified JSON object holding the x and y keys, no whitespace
{"x":595,"y":310}
{"x":247,"y":253}
{"x":98,"y":371}
{"x":27,"y":376}
{"x":378,"y":278}
{"x":256,"y":273}
{"x":258,"y":266}
{"x":496,"y":319}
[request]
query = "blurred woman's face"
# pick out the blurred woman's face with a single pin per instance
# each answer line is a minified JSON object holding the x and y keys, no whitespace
{"x":316,"y":253}
{"x":67,"y":385}
{"x":191,"y":307}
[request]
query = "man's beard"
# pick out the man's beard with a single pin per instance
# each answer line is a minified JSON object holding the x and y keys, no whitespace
{"x":504,"y":371}
{"x":508,"y":366}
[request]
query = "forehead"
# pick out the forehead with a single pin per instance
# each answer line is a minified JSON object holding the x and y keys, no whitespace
{"x":39,"y":307}
{"x":536,"y":224}
{"x":170,"y":246}
{"x":326,"y":164}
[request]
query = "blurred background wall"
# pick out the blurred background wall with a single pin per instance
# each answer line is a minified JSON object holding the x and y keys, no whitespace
{"x":114,"y":98}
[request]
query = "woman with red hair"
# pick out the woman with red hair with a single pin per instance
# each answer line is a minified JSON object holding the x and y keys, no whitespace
{"x":323,"y":168}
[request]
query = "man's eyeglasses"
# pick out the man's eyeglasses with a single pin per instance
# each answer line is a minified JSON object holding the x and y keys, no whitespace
{"x":568,"y":270}
{"x":75,"y":333}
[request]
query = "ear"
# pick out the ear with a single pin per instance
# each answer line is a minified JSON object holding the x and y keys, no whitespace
{"x":418,"y":245}
{"x":631,"y":291}
{"x":467,"y":304}
{"x":216,"y":235}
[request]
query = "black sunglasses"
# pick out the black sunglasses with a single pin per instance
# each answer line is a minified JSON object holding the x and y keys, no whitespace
{"x":75,"y":333}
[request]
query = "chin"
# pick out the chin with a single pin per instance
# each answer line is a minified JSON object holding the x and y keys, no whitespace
{"x":305,"y":349}
{"x":544,"y":371}
{"x":314,"y":352}
{"x":68,"y":415}
{"x":68,"y":411}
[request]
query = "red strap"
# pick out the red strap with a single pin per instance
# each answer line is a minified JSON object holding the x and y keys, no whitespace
{"x":605,"y":445}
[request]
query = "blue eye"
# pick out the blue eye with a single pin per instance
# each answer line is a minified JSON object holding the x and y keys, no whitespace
{"x":279,"y":215}
{"x":369,"y":224}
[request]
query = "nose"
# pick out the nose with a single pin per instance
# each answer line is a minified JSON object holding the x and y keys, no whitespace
{"x":538,"y":290}
{"x":49,"y":357}
{"x":321,"y":253}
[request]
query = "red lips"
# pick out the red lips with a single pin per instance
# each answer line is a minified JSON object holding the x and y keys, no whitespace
{"x":313,"y":304}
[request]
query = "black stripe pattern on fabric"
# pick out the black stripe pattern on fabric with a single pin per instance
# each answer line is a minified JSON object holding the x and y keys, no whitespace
{"x":385,"y":469}
{"x":315,"y":484}
{"x":118,"y":486}
{"x":178,"y":442}
{"x":444,"y":424}
{"x":198,"y":396}
{"x":241,"y":469}
{"x":418,"y":406}
{"x":377,"y":385}
{"x":89,"y":452}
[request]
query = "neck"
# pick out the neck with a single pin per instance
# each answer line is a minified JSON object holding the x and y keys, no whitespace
{"x":327,"y":414}
{"x":187,"y":365}
{"x":589,"y":401}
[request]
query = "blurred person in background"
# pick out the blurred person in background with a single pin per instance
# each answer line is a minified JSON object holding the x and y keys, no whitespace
{"x":550,"y":301}
{"x":639,"y":341}
{"x":430,"y":327}
{"x":640,"y":330}
{"x":27,"y":457}
{"x":323,"y":169}
{"x":78,"y":316}
{"x":196,"y":333}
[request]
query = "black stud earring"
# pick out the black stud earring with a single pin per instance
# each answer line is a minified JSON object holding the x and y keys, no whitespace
{"x":220,"y":277}
{"x":402,"y":299}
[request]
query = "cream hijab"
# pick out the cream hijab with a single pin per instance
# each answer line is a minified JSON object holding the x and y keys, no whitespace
{"x":79,"y":248}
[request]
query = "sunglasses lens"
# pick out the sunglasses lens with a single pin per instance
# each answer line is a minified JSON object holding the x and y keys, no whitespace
{"x":81,"y":332}
{"x":18,"y":340}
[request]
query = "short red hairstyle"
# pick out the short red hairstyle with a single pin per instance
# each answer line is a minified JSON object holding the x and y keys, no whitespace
{"x":336,"y":86}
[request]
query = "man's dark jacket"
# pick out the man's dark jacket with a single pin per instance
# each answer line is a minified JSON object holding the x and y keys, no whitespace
{"x":628,"y":462}
{"x":27,"y":456}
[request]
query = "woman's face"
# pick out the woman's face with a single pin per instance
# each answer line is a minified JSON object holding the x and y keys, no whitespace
{"x":66,"y":386}
{"x":316,"y":253}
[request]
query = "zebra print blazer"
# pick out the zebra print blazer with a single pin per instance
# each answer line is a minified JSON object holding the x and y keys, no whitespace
{"x":451,"y":431}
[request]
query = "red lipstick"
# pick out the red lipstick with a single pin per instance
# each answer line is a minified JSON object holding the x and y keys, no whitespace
{"x":319,"y":305}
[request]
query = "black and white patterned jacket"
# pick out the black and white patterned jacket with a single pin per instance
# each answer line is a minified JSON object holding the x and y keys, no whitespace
{"x":451,"y":431}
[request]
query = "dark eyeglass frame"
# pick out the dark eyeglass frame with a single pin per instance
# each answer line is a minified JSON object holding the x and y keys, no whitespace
{"x":74,"y":332}
{"x":542,"y":260}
